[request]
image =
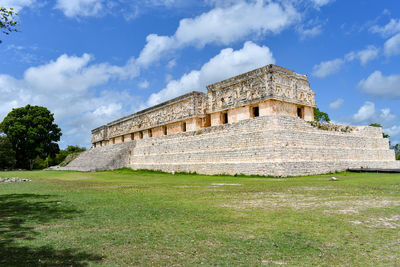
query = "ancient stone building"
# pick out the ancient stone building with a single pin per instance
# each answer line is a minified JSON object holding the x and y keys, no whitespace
{"x":256,"y":123}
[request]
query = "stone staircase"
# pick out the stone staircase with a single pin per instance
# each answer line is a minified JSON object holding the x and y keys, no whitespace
{"x":102,"y":158}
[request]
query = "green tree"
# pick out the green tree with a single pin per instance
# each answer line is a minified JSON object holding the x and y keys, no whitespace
{"x":8,"y":22}
{"x":7,"y":153}
{"x":397,"y":151}
{"x":32,"y":132}
{"x":321,"y":116}
{"x":379,"y":126}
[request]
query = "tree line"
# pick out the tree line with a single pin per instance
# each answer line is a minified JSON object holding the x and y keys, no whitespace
{"x":28,"y":139}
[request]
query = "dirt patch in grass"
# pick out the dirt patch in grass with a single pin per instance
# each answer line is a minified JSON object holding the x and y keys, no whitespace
{"x":221,"y":184}
{"x":392,"y":222}
{"x":329,"y":204}
{"x":186,"y":186}
{"x":273,"y":263}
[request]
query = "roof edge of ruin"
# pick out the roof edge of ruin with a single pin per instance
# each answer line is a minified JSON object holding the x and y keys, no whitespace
{"x":152,"y":108}
{"x":253,"y":73}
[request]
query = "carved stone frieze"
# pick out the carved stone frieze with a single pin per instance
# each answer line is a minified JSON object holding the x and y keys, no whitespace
{"x":269,"y":82}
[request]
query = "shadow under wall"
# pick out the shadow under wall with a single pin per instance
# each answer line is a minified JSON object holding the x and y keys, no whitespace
{"x":19,"y":213}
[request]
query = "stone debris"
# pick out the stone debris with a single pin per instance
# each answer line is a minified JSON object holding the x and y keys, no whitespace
{"x":13,"y":180}
{"x":334,"y":179}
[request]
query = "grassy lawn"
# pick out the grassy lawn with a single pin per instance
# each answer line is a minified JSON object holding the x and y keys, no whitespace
{"x":130,"y":218}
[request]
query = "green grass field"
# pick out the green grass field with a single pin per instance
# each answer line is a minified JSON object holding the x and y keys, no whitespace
{"x":131,"y":218}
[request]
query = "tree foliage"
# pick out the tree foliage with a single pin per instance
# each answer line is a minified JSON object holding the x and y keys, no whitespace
{"x":8,"y":22}
{"x":321,"y":116}
{"x":7,"y":154}
{"x":397,"y":151}
{"x":32,"y":132}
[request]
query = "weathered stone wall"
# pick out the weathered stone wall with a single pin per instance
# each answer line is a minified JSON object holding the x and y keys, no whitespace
{"x":177,"y":109}
{"x":270,"y":145}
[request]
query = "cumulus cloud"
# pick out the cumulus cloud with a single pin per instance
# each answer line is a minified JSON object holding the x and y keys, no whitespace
{"x":66,"y":87}
{"x":380,"y":85}
{"x":327,"y":68}
{"x":392,"y":46}
{"x":392,"y":131}
{"x":17,"y":5}
{"x":226,"y":64}
{"x":366,"y":55}
{"x":80,"y":8}
{"x":336,"y":104}
{"x":221,"y":25}
{"x":389,"y":29}
{"x":369,"y":114}
{"x":330,"y":67}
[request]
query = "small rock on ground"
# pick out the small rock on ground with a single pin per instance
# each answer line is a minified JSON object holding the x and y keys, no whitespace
{"x":13,"y":180}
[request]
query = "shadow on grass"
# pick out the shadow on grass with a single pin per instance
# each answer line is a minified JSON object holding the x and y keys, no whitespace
{"x":19,"y":213}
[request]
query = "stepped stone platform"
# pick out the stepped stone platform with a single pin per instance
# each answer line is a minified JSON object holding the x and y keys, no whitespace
{"x":101,"y":158}
{"x":276,"y":145}
{"x":260,"y":122}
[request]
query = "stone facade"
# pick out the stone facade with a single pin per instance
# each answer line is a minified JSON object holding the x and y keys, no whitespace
{"x":254,"y":123}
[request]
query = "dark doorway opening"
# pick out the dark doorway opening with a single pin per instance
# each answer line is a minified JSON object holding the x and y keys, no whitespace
{"x":255,"y":112}
{"x":225,"y":118}
{"x":300,"y":112}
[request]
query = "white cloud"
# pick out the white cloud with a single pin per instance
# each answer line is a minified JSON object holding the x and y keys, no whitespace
{"x":380,"y":85}
{"x":327,"y":68}
{"x":66,"y":87}
{"x":330,"y":67}
{"x":222,"y":3}
{"x":392,"y":46}
{"x":336,"y":104}
{"x":80,"y":8}
{"x":145,"y":84}
{"x":226,"y":64}
{"x":221,"y":25}
{"x":320,"y":3}
{"x":171,"y":64}
{"x":310,"y":32}
{"x":366,"y":55}
{"x":365,"y":112}
{"x":392,"y":131}
{"x":369,"y":114}
{"x":17,"y":5}
{"x":389,"y":29}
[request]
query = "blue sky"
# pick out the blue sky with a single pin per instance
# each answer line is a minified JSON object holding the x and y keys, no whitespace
{"x":93,"y":61}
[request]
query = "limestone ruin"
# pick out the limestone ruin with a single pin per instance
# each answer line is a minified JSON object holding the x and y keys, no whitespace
{"x":260,"y":122}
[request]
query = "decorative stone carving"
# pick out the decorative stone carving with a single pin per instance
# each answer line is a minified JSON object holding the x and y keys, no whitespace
{"x":269,"y":82}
